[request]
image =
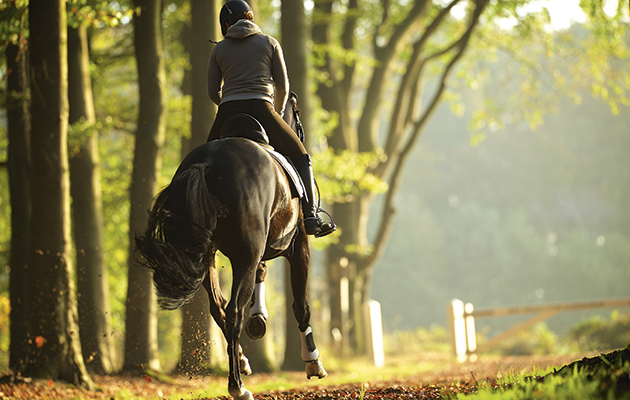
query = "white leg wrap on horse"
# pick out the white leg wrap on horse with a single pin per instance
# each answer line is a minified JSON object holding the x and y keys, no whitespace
{"x":242,"y":394}
{"x":259,"y":306}
{"x":309,"y":351}
{"x":244,"y":365}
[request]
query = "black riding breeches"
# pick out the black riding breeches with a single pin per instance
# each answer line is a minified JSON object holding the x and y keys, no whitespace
{"x":280,"y":134}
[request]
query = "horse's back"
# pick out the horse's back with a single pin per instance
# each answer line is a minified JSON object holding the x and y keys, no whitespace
{"x":228,"y":154}
{"x":252,"y":187}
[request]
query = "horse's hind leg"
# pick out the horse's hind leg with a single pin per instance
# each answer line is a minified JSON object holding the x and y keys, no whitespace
{"x":242,"y":288}
{"x":299,"y":275}
{"x":256,"y":325}
{"x":218,"y":304}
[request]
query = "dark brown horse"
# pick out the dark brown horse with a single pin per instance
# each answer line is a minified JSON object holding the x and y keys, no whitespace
{"x":229,"y":195}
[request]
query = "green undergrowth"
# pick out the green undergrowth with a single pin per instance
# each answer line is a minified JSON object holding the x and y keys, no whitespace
{"x":602,"y":377}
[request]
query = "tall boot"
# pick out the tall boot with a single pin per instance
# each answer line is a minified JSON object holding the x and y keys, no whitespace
{"x":312,"y":222}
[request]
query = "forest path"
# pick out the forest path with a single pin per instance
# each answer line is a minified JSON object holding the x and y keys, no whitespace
{"x":427,"y":375}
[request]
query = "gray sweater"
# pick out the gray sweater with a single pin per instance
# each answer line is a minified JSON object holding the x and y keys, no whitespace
{"x":251,"y":66}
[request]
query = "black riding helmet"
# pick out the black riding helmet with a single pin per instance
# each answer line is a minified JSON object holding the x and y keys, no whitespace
{"x":232,"y":11}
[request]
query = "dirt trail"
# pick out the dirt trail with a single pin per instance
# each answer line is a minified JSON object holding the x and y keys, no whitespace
{"x":447,"y":377}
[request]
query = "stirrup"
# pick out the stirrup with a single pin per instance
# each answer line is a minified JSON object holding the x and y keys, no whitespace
{"x":326,"y":229}
{"x":321,"y":229}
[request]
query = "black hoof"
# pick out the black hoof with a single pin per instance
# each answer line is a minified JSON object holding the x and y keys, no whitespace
{"x":256,"y":326}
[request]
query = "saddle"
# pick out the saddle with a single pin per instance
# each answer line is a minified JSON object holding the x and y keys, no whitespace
{"x":247,"y":127}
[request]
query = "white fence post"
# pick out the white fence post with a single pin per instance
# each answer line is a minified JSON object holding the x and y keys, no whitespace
{"x":461,"y":325}
{"x":471,"y":334}
{"x":374,"y":332}
{"x":457,"y":327}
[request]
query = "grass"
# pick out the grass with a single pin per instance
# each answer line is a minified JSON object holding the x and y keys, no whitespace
{"x":600,"y":377}
{"x":606,"y":376}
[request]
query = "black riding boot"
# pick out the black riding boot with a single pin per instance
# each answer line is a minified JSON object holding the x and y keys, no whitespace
{"x":312,"y":223}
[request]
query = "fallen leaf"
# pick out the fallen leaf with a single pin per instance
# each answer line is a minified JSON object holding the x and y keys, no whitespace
{"x":39,"y":341}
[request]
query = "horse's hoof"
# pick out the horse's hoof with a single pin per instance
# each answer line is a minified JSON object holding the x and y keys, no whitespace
{"x":244,"y":364}
{"x":256,"y":326}
{"x":242,"y":394}
{"x":315,"y":368}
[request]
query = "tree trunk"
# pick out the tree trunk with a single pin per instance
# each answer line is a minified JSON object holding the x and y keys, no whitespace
{"x":141,"y":320}
{"x":200,"y":335}
{"x":294,"y":29}
{"x":54,"y":340}
{"x":19,"y":166}
{"x":85,"y":188}
{"x":195,"y":347}
{"x":205,"y":25}
{"x":295,"y":37}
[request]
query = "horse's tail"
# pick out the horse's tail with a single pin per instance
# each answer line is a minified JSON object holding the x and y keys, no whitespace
{"x":178,"y":236}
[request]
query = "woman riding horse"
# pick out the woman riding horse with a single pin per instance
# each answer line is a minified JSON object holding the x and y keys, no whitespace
{"x":251,"y":66}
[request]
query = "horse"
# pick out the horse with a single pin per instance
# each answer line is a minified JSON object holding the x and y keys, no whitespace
{"x":230,"y":195}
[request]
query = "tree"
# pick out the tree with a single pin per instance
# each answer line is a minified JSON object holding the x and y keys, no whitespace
{"x":294,"y":29}
{"x":204,"y":17}
{"x":19,"y":162}
{"x":85,"y":188}
{"x":405,"y":39}
{"x":198,"y":329}
{"x":415,"y":47}
{"x":141,"y":304}
{"x":54,"y":335}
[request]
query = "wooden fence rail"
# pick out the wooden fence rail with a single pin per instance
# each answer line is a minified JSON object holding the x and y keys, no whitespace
{"x":461,"y":321}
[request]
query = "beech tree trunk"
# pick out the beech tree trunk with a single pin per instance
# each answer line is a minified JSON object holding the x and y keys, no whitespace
{"x":85,"y":188}
{"x":141,"y":318}
{"x":19,"y":167}
{"x":54,"y":333}
{"x":202,"y":347}
{"x":294,"y":29}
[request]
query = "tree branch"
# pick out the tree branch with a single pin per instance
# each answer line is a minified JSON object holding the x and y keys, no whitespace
{"x":384,"y":229}
{"x":408,"y":88}
{"x":347,"y":41}
{"x":385,"y":55}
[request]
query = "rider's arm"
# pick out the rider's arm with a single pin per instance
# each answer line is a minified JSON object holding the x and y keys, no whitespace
{"x":213,"y":80}
{"x":280,"y":80}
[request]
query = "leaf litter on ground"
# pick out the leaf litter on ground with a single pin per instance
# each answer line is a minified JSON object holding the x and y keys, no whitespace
{"x":447,"y":380}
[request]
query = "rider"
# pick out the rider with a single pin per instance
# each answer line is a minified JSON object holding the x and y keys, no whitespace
{"x":255,"y":82}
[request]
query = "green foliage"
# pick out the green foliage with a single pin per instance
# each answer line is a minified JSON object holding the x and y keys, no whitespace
{"x":341,"y":176}
{"x":98,"y":13}
{"x":417,"y":341}
{"x":176,"y":21}
{"x":538,"y":340}
{"x":598,"y":333}
{"x":13,"y":21}
{"x":540,"y":60}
